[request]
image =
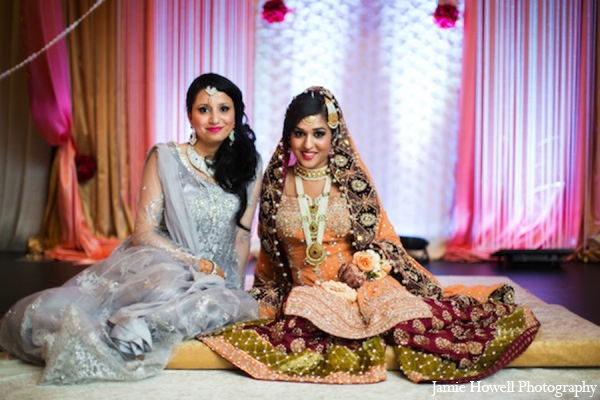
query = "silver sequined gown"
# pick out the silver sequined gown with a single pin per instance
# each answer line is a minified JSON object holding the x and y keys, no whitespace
{"x":120,"y":318}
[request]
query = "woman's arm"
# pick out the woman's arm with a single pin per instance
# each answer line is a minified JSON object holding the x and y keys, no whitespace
{"x":242,"y":240}
{"x":149,"y":217}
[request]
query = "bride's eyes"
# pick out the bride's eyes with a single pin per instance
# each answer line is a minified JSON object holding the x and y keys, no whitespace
{"x":298,"y":133}
{"x":317,"y":134}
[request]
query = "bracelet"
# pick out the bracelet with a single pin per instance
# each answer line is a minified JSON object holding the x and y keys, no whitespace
{"x":213,"y":271}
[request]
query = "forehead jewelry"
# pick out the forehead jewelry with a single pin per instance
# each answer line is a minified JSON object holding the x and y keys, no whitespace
{"x":210,"y":90}
{"x":309,"y":119}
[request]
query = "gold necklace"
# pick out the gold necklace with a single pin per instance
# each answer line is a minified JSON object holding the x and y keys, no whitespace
{"x":311,"y":174}
{"x":312,"y":217}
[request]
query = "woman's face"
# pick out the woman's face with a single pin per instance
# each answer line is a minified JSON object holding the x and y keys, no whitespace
{"x":212,"y":117}
{"x":310,"y":142}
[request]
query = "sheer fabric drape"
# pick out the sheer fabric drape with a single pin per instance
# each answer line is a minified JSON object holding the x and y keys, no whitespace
{"x":109,"y":97}
{"x":101,"y":115}
{"x":24,"y":153}
{"x":590,"y":250}
{"x":49,"y":96}
{"x":525,"y":120}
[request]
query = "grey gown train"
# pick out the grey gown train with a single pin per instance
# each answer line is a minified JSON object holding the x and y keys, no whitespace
{"x":120,"y":318}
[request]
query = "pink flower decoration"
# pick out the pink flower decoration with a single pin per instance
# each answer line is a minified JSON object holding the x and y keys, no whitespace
{"x":446,"y":15}
{"x":274,"y":11}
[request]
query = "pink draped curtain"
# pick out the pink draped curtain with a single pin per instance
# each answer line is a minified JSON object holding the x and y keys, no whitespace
{"x":49,"y":85}
{"x":160,"y":48}
{"x":526,"y":107}
{"x":50,"y":98}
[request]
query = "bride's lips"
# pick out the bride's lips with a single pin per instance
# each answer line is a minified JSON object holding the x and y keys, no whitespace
{"x":214,"y":129}
{"x":308,"y":156}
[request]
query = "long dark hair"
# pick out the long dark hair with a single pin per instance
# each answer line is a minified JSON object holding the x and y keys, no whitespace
{"x":234,"y":163}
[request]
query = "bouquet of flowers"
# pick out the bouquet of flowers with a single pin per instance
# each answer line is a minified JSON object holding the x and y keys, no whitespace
{"x":365,"y":265}
{"x":371,"y":263}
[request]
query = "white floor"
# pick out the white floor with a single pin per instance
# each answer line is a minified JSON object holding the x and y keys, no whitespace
{"x":18,"y":381}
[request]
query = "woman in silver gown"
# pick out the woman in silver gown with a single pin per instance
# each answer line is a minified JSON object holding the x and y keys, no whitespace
{"x":179,"y":274}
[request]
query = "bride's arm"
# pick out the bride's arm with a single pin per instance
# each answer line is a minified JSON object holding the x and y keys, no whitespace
{"x":149,"y":217}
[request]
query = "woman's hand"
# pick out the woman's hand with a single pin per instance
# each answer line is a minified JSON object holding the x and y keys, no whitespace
{"x":209,"y":267}
{"x":351,"y":275}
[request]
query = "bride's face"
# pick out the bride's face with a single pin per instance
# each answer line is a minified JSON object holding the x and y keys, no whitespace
{"x":310,"y":142}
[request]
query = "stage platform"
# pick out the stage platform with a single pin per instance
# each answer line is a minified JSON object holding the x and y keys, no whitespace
{"x":545,"y":256}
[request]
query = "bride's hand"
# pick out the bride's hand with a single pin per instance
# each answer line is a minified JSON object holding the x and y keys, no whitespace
{"x":351,"y":275}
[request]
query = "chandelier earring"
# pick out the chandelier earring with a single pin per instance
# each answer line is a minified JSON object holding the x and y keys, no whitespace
{"x":193,"y":139}
{"x":231,"y":137}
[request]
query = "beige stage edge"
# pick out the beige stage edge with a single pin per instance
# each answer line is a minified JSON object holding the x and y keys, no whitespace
{"x":564,"y":339}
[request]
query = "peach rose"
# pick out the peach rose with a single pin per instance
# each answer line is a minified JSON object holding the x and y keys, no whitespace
{"x":366,"y":260}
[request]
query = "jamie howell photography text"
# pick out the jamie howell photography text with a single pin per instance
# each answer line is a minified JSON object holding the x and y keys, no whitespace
{"x":583,"y":389}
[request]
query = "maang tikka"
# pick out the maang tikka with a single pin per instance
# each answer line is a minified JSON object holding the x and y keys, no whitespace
{"x":210,"y":90}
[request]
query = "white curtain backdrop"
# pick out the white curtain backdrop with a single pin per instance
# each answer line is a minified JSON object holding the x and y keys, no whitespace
{"x":397,"y":78}
{"x":193,"y":37}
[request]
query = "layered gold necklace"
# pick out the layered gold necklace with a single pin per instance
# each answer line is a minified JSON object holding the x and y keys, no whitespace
{"x":312,"y":217}
{"x":311,"y":174}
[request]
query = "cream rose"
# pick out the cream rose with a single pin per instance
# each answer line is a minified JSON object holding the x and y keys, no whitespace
{"x":386,"y":266}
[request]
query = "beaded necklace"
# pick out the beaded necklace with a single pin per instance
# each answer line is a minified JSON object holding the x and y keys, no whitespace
{"x":200,"y":162}
{"x":312,"y":217}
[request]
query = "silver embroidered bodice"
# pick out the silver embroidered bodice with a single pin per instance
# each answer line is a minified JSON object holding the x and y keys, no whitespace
{"x":212,"y":210}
